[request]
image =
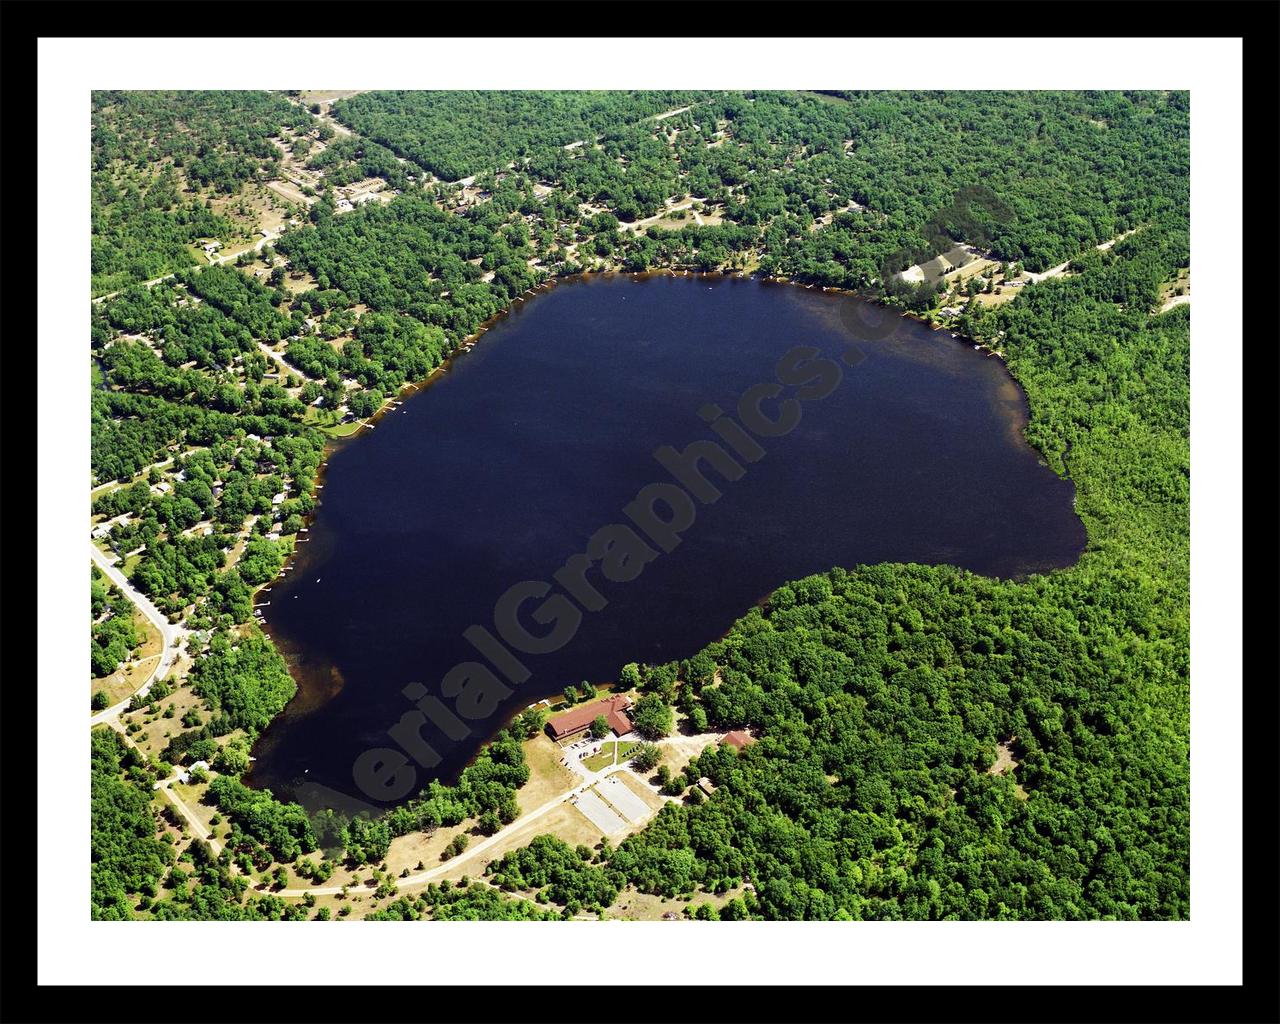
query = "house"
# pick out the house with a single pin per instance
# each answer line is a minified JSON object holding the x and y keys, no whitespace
{"x":738,"y":739}
{"x":163,"y":487}
{"x":706,"y":785}
{"x":104,"y":528}
{"x":614,"y":709}
{"x":278,"y":499}
{"x":363,"y":198}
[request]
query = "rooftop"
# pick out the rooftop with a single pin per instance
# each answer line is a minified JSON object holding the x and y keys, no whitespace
{"x":612,"y":708}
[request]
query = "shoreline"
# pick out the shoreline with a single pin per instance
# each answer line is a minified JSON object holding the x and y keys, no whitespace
{"x":336,"y":444}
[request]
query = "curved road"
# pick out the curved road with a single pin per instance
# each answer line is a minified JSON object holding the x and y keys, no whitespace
{"x":217,"y":261}
{"x":422,"y":877}
{"x":169,"y":633}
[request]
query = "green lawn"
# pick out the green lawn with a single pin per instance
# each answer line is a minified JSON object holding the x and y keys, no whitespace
{"x":325,"y":421}
{"x":343,"y":429}
{"x":605,"y":757}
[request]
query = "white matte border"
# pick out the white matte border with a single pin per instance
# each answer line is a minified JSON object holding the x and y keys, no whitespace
{"x":1206,"y":950}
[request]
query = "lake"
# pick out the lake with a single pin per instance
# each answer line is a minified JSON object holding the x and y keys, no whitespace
{"x":510,"y":463}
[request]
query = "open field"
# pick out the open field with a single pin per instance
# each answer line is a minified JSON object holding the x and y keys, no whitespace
{"x":327,"y":96}
{"x":633,"y":905}
{"x":190,"y":794}
{"x":156,"y":730}
{"x":547,"y":776}
{"x":678,"y":750}
{"x":298,"y":282}
{"x":420,"y":847}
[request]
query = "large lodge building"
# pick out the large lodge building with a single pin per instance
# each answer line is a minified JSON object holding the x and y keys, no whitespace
{"x":580,"y":718}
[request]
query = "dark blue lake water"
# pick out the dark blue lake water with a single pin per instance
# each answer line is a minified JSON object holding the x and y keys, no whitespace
{"x":506,"y":466}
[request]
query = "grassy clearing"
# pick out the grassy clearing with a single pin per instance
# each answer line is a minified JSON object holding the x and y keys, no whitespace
{"x":1177,"y":291}
{"x":547,"y":776}
{"x":329,"y":423}
{"x":605,"y":758}
{"x":343,"y":429}
{"x":191,"y":794}
{"x":632,"y":905}
{"x":156,"y":730}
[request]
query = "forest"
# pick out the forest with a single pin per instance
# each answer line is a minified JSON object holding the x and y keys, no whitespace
{"x":882,"y":695}
{"x":245,"y":684}
{"x":128,"y":858}
{"x":882,"y":691}
{"x":1064,"y":170}
{"x":459,"y":133}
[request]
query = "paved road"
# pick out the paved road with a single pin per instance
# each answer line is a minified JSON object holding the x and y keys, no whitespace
{"x":422,"y":877}
{"x":278,"y":359}
{"x":169,"y":633}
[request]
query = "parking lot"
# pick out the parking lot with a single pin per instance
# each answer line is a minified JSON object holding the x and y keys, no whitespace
{"x":599,"y":813}
{"x":623,"y":800}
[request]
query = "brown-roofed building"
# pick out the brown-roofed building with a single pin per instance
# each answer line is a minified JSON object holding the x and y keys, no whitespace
{"x":579,"y":719}
{"x":738,"y":739}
